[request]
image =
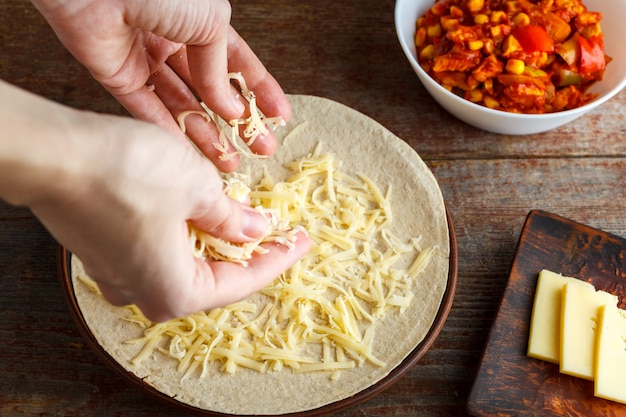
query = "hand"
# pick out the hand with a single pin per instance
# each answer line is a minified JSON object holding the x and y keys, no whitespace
{"x":119,"y":193}
{"x":146,"y":259}
{"x":181,"y":48}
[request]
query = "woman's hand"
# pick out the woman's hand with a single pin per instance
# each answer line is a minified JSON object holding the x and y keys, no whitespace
{"x":119,"y":193}
{"x":127,"y":221}
{"x":157,"y":56}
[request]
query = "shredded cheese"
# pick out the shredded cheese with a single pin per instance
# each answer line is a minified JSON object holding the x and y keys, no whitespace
{"x":320,"y":315}
{"x":231,"y":133}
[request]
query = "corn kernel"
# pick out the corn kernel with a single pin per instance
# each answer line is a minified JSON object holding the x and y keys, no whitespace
{"x":428,"y":52}
{"x":481,"y":19}
{"x":515,"y":66}
{"x":489,"y":46}
{"x":488,"y":85}
{"x":495,"y":31}
{"x":490,"y":102}
{"x":420,"y":37}
{"x":512,"y":6}
{"x":474,"y":96}
{"x":456,"y":11}
{"x":472,"y":83}
{"x":521,"y":19}
{"x":475,"y":6}
{"x":449,"y":23}
{"x":498,"y":16}
{"x":434,"y":31}
{"x":475,"y":45}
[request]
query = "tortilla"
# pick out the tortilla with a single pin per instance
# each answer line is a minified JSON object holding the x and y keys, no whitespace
{"x":363,"y":146}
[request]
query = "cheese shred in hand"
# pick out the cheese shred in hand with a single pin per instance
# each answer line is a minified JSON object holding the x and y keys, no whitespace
{"x":206,"y":246}
{"x":230,"y":134}
{"x":321,"y":314}
{"x":243,"y":129}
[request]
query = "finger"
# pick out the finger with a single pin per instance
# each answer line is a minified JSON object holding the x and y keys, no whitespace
{"x":212,"y":83}
{"x":208,"y":69}
{"x":222,"y":283}
{"x":179,"y":64}
{"x":113,"y":295}
{"x":271,"y":98}
{"x":144,"y":104}
{"x":230,"y":220}
{"x":218,"y":99}
{"x":203,"y":26}
{"x":163,"y":110}
{"x":262,"y":145}
{"x":217,"y":283}
{"x":178,"y":98}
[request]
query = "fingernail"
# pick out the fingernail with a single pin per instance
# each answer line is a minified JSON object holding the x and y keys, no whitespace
{"x":254,"y":223}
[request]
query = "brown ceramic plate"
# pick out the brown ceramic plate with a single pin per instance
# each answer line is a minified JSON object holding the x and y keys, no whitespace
{"x":405,"y":335}
{"x":509,"y":383}
{"x":373,"y":390}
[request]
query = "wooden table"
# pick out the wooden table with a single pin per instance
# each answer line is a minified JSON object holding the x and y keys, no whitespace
{"x":346,"y":51}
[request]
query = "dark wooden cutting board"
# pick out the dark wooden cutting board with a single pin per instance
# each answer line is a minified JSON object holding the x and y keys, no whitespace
{"x":509,"y":383}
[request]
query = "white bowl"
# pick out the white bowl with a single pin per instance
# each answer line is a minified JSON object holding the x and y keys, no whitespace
{"x":613,"y":27}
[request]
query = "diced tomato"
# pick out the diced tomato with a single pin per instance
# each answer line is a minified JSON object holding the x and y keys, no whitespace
{"x":533,"y":38}
{"x":591,"y":54}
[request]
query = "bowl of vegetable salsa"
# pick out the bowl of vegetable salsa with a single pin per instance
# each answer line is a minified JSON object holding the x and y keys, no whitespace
{"x":516,"y":66}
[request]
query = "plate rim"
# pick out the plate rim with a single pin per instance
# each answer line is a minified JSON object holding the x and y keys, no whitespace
{"x":64,"y":274}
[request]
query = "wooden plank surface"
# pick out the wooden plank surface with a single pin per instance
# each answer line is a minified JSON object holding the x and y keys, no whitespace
{"x":557,"y":244}
{"x":345,"y":51}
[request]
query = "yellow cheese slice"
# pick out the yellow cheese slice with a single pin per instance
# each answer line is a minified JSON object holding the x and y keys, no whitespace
{"x":579,"y":318}
{"x":545,"y":323}
{"x":611,"y":359}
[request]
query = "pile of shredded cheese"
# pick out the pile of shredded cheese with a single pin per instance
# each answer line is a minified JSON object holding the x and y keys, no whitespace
{"x":320,"y":315}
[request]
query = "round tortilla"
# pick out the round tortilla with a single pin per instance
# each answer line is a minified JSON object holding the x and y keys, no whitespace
{"x":363,"y":146}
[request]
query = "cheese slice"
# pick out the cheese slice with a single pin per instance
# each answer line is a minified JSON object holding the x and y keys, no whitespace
{"x":545,"y":323}
{"x":610,"y":365}
{"x":579,"y":319}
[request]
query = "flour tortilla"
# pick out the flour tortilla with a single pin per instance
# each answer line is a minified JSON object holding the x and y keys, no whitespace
{"x":363,"y":146}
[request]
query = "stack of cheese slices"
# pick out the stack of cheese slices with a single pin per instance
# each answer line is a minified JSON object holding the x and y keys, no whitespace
{"x":582,"y":330}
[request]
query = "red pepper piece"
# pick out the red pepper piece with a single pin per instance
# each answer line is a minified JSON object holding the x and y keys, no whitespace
{"x":533,"y":38}
{"x":591,"y":54}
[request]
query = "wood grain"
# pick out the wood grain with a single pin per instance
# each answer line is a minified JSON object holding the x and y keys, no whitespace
{"x":559,"y":245}
{"x":346,"y":51}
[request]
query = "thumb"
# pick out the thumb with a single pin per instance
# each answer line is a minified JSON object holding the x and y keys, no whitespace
{"x":230,"y":220}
